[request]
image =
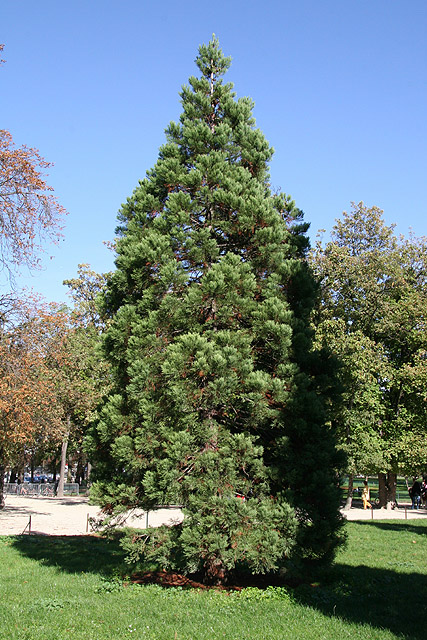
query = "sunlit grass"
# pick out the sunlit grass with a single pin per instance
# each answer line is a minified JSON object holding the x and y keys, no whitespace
{"x":54,"y":588}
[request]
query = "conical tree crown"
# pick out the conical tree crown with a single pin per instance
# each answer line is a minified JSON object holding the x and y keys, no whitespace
{"x":209,"y":190}
{"x":205,"y":249}
{"x":209,"y":308}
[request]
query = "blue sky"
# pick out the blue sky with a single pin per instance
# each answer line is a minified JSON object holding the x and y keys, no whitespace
{"x":339,"y":87}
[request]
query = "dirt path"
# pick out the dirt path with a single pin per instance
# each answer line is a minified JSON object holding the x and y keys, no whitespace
{"x":404,"y":512}
{"x":69,"y":516}
{"x":65,"y":516}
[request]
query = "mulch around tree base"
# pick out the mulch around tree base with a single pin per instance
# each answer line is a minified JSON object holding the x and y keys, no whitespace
{"x":236,"y":583}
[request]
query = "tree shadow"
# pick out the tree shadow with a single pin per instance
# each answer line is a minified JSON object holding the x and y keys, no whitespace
{"x":382,"y":599}
{"x":413,"y":526}
{"x":385,"y":598}
{"x":73,"y":554}
{"x":12,"y":512}
{"x":392,"y":597}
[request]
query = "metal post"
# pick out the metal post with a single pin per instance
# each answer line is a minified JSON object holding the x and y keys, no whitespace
{"x":146,"y":519}
{"x":29,"y":526}
{"x":87,"y":523}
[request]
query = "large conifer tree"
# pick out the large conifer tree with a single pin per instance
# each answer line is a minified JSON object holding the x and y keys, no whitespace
{"x":217,"y":394}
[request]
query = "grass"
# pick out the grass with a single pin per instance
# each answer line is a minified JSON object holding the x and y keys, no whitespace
{"x":70,"y":587}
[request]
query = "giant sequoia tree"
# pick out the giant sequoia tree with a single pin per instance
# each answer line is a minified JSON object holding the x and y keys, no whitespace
{"x":218,"y":392}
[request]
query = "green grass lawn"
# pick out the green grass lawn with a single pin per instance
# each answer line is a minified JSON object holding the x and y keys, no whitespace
{"x":53,"y":588}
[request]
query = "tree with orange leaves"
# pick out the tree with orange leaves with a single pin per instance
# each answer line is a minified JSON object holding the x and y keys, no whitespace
{"x":29,"y":405}
{"x":29,"y":212}
{"x":51,"y":381}
{"x":29,"y":216}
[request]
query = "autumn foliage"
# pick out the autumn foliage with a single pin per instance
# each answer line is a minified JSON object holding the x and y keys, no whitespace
{"x":29,"y":212}
{"x":30,"y":410}
{"x":29,"y":216}
{"x":28,"y":398}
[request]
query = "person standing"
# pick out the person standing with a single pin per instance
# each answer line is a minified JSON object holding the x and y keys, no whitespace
{"x":424,"y":492}
{"x":415,"y":493}
{"x":366,"y":495}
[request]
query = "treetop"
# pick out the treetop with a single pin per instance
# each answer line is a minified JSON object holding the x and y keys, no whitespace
{"x":211,"y":61}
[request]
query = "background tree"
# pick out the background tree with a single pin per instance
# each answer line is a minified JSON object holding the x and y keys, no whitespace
{"x":216,"y":387}
{"x":372,"y":314}
{"x":89,"y":324}
{"x":52,"y":380}
{"x":86,"y":292}
{"x":81,"y":379}
{"x":30,"y":215}
{"x":29,"y":411}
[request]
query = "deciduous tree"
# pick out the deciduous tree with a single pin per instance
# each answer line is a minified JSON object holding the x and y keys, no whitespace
{"x":86,"y":290}
{"x":29,"y":212}
{"x":372,"y":314}
{"x":29,"y":410}
{"x":81,"y":378}
{"x":52,"y":380}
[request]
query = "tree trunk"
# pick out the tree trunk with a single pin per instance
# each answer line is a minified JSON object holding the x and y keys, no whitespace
{"x":407,"y":484}
{"x":387,"y":484}
{"x":382,"y":490}
{"x":392,"y":485}
{"x":349,"y":499}
{"x":2,"y":470}
{"x":60,"y":490}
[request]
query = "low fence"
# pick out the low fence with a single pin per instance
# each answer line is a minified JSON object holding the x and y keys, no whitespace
{"x":41,"y":489}
{"x":401,"y":496}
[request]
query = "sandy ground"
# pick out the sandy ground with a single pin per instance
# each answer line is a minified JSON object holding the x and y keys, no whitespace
{"x":404,"y":512}
{"x":71,"y":516}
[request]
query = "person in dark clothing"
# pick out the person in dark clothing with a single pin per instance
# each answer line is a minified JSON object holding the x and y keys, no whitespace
{"x":424,"y":492}
{"x":415,"y":493}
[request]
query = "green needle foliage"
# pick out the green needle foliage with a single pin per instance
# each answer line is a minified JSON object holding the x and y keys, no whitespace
{"x":218,"y":392}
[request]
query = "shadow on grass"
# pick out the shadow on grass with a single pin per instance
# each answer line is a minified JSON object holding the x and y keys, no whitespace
{"x":413,"y":526}
{"x":392,"y":597}
{"x":74,"y":554}
{"x":381,"y":598}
